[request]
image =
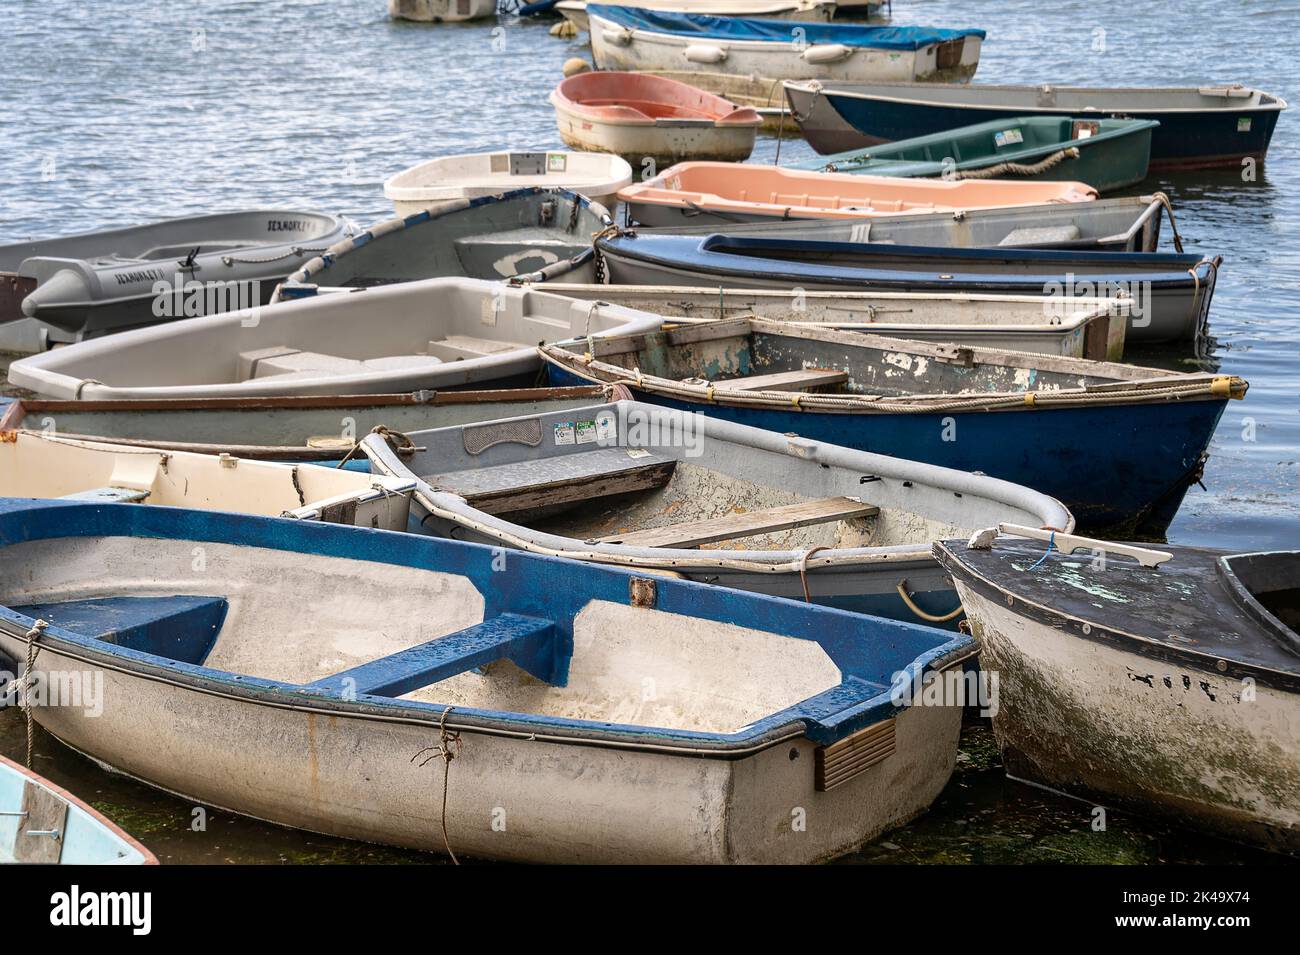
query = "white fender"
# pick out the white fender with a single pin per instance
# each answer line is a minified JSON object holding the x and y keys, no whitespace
{"x":826,"y":53}
{"x":705,"y":53}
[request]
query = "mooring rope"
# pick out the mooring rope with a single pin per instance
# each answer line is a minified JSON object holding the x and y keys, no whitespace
{"x":448,"y":748}
{"x":297,"y":250}
{"x":911,"y":605}
{"x":1018,"y":169}
{"x":803,"y":569}
{"x":404,"y":443}
{"x":32,"y":649}
{"x":1163,"y":199}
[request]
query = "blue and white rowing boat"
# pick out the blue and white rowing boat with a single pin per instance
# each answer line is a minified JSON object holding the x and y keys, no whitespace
{"x":454,"y":697}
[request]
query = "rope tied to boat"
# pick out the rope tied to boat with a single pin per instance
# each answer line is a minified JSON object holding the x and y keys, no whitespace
{"x":24,"y":685}
{"x":803,"y":569}
{"x":1163,"y":199}
{"x":399,"y":441}
{"x":1051,"y":544}
{"x":611,"y":231}
{"x":448,"y":748}
{"x":928,"y":617}
{"x":296,"y":252}
{"x":1020,"y":169}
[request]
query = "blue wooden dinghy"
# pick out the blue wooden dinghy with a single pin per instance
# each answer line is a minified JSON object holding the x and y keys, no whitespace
{"x":1116,"y":444}
{"x":1167,"y":682}
{"x":638,"y":485}
{"x":1199,"y":126}
{"x":454,"y":697}
{"x":1171,"y":291}
{"x":44,"y":823}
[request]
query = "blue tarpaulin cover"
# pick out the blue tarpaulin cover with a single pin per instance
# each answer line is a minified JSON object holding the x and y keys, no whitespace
{"x":775,"y":31}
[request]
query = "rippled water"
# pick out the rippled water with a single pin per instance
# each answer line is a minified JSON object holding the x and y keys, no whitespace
{"x":113,"y":112}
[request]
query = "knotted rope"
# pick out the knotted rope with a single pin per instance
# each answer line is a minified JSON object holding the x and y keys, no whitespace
{"x":400,"y":442}
{"x":448,"y":748}
{"x":1019,"y":169}
{"x":24,"y":684}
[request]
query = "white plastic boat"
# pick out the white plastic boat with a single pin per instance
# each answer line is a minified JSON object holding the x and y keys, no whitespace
{"x":768,"y":51}
{"x":597,"y":176}
{"x":437,"y":333}
{"x":441,"y":11}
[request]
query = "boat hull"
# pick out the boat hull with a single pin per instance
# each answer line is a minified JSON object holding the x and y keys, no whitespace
{"x":1121,"y":470}
{"x":1186,"y":139}
{"x":301,"y":768}
{"x":1169,"y":311}
{"x":1110,"y":159}
{"x":615,"y":48}
{"x":1092,"y":718}
{"x":441,"y":11}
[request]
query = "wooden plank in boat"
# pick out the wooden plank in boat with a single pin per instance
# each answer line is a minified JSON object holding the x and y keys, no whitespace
{"x":43,"y":827}
{"x":747,"y":524}
{"x":524,"y":485}
{"x":800,"y":380}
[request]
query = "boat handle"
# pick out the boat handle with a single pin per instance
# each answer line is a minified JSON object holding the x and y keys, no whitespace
{"x":9,"y":812}
{"x":55,"y":833}
{"x":1069,"y":543}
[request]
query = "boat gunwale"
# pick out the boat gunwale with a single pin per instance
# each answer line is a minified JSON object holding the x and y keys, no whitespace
{"x":821,"y":88}
{"x":724,"y":263}
{"x":312,"y":538}
{"x":946,"y":553}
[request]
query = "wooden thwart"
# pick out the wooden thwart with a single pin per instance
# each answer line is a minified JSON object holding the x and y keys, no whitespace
{"x":523,"y":486}
{"x":749,"y":524}
{"x":800,"y":380}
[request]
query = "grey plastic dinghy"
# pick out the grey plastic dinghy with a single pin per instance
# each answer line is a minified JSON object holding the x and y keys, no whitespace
{"x":490,"y":237}
{"x":439,"y":333}
{"x":643,"y":486}
{"x":1121,"y":224}
{"x":82,"y":286}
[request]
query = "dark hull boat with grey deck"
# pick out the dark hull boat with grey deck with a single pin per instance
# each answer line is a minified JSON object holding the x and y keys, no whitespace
{"x":1169,"y":684}
{"x":637,"y":485}
{"x":1199,"y":126}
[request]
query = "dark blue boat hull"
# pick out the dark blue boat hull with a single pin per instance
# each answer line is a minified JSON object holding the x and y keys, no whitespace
{"x":1121,"y":469}
{"x":1187,"y":140}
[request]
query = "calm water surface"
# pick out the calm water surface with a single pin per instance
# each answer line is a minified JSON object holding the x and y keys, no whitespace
{"x":115,"y":112}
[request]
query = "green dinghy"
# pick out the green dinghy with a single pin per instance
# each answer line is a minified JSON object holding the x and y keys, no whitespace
{"x":1107,"y":154}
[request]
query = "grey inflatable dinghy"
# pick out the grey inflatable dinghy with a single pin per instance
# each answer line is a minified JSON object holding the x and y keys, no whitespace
{"x":83,"y":286}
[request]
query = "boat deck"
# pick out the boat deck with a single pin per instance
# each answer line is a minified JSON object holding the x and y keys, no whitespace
{"x":1183,"y":605}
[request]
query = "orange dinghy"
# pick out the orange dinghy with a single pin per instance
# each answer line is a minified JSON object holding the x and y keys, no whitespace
{"x":639,"y":117}
{"x":714,"y":193}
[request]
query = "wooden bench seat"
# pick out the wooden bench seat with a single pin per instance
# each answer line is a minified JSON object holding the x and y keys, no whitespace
{"x":564,"y":479}
{"x":747,"y":524}
{"x":800,"y":380}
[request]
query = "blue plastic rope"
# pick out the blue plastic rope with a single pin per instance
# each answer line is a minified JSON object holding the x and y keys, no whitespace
{"x":1051,"y":542}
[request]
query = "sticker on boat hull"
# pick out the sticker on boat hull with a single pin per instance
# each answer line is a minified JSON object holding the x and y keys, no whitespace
{"x":1008,"y":137}
{"x":586,"y":432}
{"x":564,"y":433}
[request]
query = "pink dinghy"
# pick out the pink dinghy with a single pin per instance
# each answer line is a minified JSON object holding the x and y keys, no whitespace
{"x":713,"y":193}
{"x":639,"y":116}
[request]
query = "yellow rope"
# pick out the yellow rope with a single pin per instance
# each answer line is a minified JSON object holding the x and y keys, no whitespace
{"x":911,"y":605}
